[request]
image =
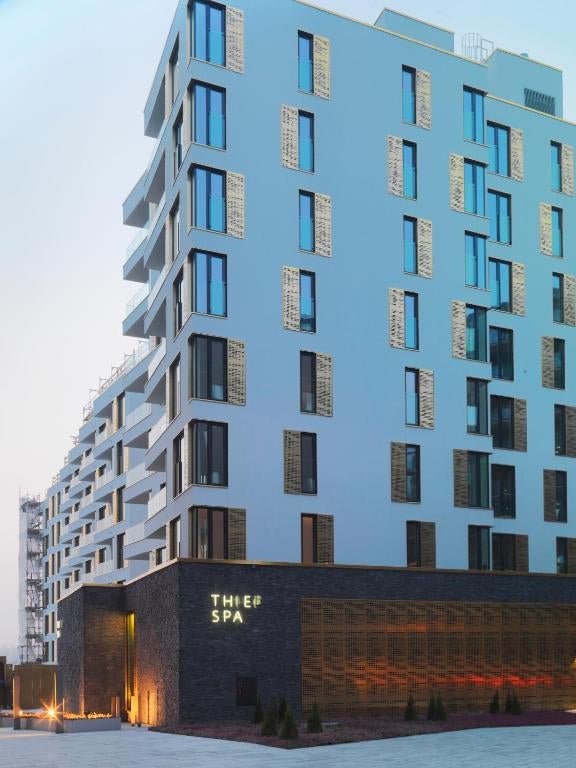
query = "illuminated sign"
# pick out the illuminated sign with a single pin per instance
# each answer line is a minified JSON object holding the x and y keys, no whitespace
{"x":231,"y":609}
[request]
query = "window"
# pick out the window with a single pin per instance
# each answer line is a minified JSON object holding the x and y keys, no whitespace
{"x":561,"y":497}
{"x":209,"y":533}
{"x":174,"y":223}
{"x":561,"y":555}
{"x":502,"y":353}
{"x":178,"y":144}
{"x":178,"y":467}
{"x":499,"y":207}
{"x":119,"y":493}
{"x":478,"y":479}
{"x":413,"y":544}
{"x":306,"y":141}
{"x":410,"y":245}
{"x":475,"y":333}
{"x":209,"y":368}
{"x":560,"y":430}
{"x":473,"y":115}
{"x":412,"y":397}
{"x":209,"y":115}
{"x":306,"y":221}
{"x":504,"y":551}
{"x":477,"y":406}
{"x":308,"y":462}
{"x":557,"y":297}
{"x":119,"y":458}
{"x":502,"y":421}
{"x":308,"y":382}
{"x":178,"y":302}
{"x":209,"y":30}
{"x":309,"y":538}
{"x":307,"y":301}
{"x":557,"y":233}
{"x":209,"y":291}
{"x":409,"y":170}
{"x":174,"y":389}
{"x":503,"y":490}
{"x":501,"y":285}
{"x":411,"y":339}
{"x":209,"y":195}
{"x":499,"y":142}
{"x":556,"y":165}
{"x":305,"y":62}
{"x":408,"y":94}
{"x":174,"y":539}
{"x":101,"y":555}
{"x":479,"y":547}
{"x":210,"y":453}
{"x":120,"y":551}
{"x":413,"y":473}
{"x":559,"y":363}
{"x":121,"y":410}
{"x":475,"y":260}
{"x":174,"y":85}
{"x":474,"y":187}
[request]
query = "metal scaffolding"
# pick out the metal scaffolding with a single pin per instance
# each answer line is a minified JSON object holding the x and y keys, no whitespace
{"x":30,"y":580}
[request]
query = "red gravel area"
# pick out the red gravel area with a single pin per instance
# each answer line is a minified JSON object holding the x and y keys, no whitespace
{"x":347,"y":730}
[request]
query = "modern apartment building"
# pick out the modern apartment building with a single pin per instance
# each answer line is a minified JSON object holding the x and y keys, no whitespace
{"x":359,"y":290}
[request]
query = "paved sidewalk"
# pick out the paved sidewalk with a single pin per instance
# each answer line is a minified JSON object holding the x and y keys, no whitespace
{"x":542,"y":747}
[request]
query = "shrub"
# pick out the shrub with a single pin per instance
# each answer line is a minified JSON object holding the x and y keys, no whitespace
{"x":258,"y":712}
{"x":289,"y":729}
{"x":494,"y":707}
{"x":282,"y":709}
{"x":410,"y":711}
{"x":431,"y":715}
{"x":440,"y":709}
{"x":315,"y":721}
{"x":270,"y":725}
{"x":516,"y":708}
{"x":508,"y":703}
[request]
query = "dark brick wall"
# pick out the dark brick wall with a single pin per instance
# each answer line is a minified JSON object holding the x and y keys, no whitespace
{"x":70,"y":676}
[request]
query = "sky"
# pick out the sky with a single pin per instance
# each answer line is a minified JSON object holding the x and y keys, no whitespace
{"x":74,"y":77}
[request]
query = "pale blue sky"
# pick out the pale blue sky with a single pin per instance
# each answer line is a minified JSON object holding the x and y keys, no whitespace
{"x":74,"y":76}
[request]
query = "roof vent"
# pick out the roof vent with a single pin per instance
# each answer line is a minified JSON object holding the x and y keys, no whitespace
{"x":540,"y":101}
{"x":475,"y":47}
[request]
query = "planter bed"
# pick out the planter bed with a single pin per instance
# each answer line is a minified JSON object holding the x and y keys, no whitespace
{"x":6,"y":721}
{"x":75,"y":725}
{"x":349,"y":729}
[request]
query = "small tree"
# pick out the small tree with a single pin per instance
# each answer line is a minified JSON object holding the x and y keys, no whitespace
{"x":315,"y":721}
{"x":440,"y":709}
{"x":270,"y":725}
{"x":282,"y":706}
{"x":508,"y":703}
{"x":289,"y":728}
{"x":516,"y":708}
{"x":258,"y":712}
{"x":410,"y":711}
{"x":494,"y":707}
{"x":431,"y":714}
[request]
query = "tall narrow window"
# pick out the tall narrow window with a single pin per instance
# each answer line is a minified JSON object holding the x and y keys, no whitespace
{"x":475,"y":333}
{"x":477,"y":406}
{"x":177,"y":465}
{"x":174,"y":83}
{"x":413,"y":544}
{"x":412,"y":396}
{"x":174,"y":391}
{"x":479,"y":547}
{"x":410,"y":245}
{"x":478,"y":479}
{"x":178,"y":302}
{"x":556,"y":165}
{"x":413,"y":473}
{"x":503,"y":490}
{"x":504,"y":551}
{"x":119,"y":457}
{"x":308,"y":459}
{"x":499,"y":142}
{"x":557,"y":297}
{"x":409,"y":170}
{"x":174,"y":232}
{"x":306,"y":221}
{"x":557,"y":233}
{"x":502,"y":353}
{"x":475,"y":260}
{"x":474,"y":187}
{"x":307,"y":301}
{"x":120,"y":562}
{"x":308,"y":382}
{"x":209,"y":32}
{"x":209,"y":191}
{"x":305,"y":62}
{"x":210,"y":453}
{"x":411,"y":331}
{"x":209,"y":115}
{"x":409,"y":94}
{"x":473,"y":115}
{"x":209,"y":284}
{"x":559,"y":363}
{"x":209,"y":533}
{"x":501,"y":285}
{"x":306,"y":141}
{"x":309,"y":539}
{"x":499,"y":211}
{"x":178,"y":143}
{"x":174,"y":542}
{"x":209,"y":368}
{"x":502,"y":421}
{"x":561,"y":496}
{"x":560,"y":430}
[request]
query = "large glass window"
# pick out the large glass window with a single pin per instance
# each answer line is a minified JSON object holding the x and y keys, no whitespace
{"x":499,"y":211}
{"x":120,"y":562}
{"x":473,"y":115}
{"x":557,"y":297}
{"x":209,"y":283}
{"x":409,"y":170}
{"x":209,"y":533}
{"x":177,"y":466}
{"x":477,"y":406}
{"x":502,"y":421}
{"x":209,"y":453}
{"x":413,"y":544}
{"x":411,"y":331}
{"x":174,"y":539}
{"x":209,"y":32}
{"x":475,"y":333}
{"x":209,"y":368}
{"x":305,"y":62}
{"x":306,"y":221}
{"x":556,"y":165}
{"x":174,"y":389}
{"x":409,"y":94}
{"x":178,"y":144}
{"x":501,"y":285}
{"x":478,"y":479}
{"x":479,"y":547}
{"x":306,"y":141}
{"x":209,"y":193}
{"x":499,"y":142}
{"x":561,"y":555}
{"x":307,"y":301}
{"x":475,"y":246}
{"x":308,"y":462}
{"x":209,"y":115}
{"x":412,"y":396}
{"x":174,"y":223}
{"x":413,"y":473}
{"x":561,"y":496}
{"x":178,"y":297}
{"x":559,"y":363}
{"x":308,"y":382}
{"x":502,"y":353}
{"x":474,"y":187}
{"x":503,"y":490}
{"x":410,"y":245}
{"x":560,"y":430}
{"x":557,"y":233}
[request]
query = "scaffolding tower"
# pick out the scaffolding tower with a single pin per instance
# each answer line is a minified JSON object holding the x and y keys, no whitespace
{"x":30,"y":580}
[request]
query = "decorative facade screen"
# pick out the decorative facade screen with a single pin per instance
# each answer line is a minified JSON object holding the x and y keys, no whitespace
{"x":368,"y":656}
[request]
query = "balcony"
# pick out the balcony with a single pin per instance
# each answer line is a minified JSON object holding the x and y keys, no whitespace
{"x":136,"y":308}
{"x":103,"y":569}
{"x":159,"y":353}
{"x":158,"y":284}
{"x":157,"y":503}
{"x":104,"y":434}
{"x":157,"y":430}
{"x":104,"y":479}
{"x":137,"y":415}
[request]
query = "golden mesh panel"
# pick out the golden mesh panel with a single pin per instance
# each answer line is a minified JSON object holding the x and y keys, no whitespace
{"x":321,"y":66}
{"x":459,"y":329}
{"x":289,"y":136}
{"x":236,"y":372}
{"x":567,"y":169}
{"x":423,"y":99}
{"x":546,"y":229}
{"x":518,"y":288}
{"x":547,"y":356}
{"x":325,"y":534}
{"x":324,"y":385}
{"x":520,"y":425}
{"x":368,"y":656}
{"x":516,"y":154}
{"x":235,"y":204}
{"x":570,"y":299}
{"x":396,"y":319}
{"x":426,"y":399}
{"x":236,"y":534}
{"x":457,"y":182}
{"x":322,"y":225}
{"x":235,"y":39}
{"x":424,"y":246}
{"x":395,"y":171}
{"x":570,"y":431}
{"x":292,"y":462}
{"x":291,"y":298}
{"x":571,"y":555}
{"x":550,"y":495}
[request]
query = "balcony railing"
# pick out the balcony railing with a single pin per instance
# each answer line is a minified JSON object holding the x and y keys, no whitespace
{"x":158,"y":429}
{"x":104,"y":479}
{"x":135,"y":533}
{"x":104,"y":435}
{"x":104,"y":524}
{"x":159,"y":353}
{"x":138,"y":414}
{"x":106,"y":567}
{"x":136,"y":474}
{"x":157,"y":285}
{"x":157,"y":502}
{"x":155,"y":211}
{"x":137,"y":299}
{"x":86,"y":499}
{"x":139,"y":238}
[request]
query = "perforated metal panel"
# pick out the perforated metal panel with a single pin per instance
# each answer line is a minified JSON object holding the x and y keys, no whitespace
{"x":395,"y":167}
{"x":522,"y":559}
{"x":460,"y":478}
{"x":396,"y":317}
{"x":428,"y":545}
{"x":567,"y":155}
{"x":571,"y":551}
{"x":289,"y":136}
{"x":570,"y":299}
{"x":236,"y":372}
{"x":426,"y":379}
{"x":324,"y":385}
{"x":325,"y":538}
{"x":234,"y":39}
{"x":235,"y":204}
{"x":547,"y":357}
{"x":549,"y":477}
{"x":459,"y":329}
{"x":520,"y":425}
{"x":321,"y":67}
{"x":423,"y":99}
{"x":546,"y":229}
{"x":236,"y":534}
{"x":322,"y":225}
{"x":368,"y":656}
{"x":457,"y":182}
{"x":570,"y":431}
{"x":516,"y":154}
{"x":518,"y":288}
{"x":424,"y":240}
{"x":291,"y":298}
{"x":398,"y":471}
{"x":292,"y":462}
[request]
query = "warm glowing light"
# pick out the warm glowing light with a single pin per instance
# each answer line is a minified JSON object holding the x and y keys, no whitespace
{"x":51,"y":713}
